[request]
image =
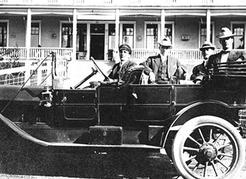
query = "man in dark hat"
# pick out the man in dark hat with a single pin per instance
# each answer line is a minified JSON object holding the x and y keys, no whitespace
{"x":120,"y":69}
{"x":200,"y":70}
{"x":226,"y":38}
{"x":163,"y":68}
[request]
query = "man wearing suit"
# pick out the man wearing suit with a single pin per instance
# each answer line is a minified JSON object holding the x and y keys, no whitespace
{"x":120,"y":69}
{"x":226,"y":54}
{"x":200,"y":70}
{"x":163,"y":68}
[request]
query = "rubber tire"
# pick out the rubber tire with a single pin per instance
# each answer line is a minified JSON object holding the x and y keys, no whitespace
{"x":187,"y":129}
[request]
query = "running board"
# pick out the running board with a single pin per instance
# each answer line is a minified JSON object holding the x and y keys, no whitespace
{"x":105,"y":148}
{"x":23,"y":137}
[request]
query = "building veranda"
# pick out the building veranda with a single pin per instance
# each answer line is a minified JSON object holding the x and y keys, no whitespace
{"x":76,"y":30}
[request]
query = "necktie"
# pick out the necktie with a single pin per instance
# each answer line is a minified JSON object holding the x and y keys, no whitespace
{"x":225,"y":51}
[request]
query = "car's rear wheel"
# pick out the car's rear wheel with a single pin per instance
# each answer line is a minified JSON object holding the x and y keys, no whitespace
{"x":208,"y":147}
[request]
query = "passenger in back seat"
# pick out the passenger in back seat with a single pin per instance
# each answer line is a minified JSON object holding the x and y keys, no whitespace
{"x":164,"y":68}
{"x":199,"y":71}
{"x":227,"y":54}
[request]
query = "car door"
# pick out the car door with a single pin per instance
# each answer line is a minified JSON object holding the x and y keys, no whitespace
{"x":150,"y":103}
{"x":77,"y":106}
{"x":111,"y":104}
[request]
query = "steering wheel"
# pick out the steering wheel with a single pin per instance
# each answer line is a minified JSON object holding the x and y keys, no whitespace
{"x":105,"y":76}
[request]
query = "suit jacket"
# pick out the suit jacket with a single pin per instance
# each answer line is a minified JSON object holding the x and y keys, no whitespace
{"x":198,"y":72}
{"x":154,"y":62}
{"x":119,"y":71}
{"x":233,"y":56}
{"x":114,"y":74}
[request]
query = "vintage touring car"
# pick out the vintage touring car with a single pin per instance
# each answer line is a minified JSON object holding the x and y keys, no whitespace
{"x":197,"y":126}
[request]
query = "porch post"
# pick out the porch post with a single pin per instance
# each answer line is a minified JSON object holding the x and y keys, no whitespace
{"x":208,"y":25}
{"x":162,"y":24}
{"x":74,"y":34}
{"x":28,"y":45}
{"x":88,"y":35}
{"x":106,"y":44}
{"x":28,"y":32}
{"x":117,"y":25}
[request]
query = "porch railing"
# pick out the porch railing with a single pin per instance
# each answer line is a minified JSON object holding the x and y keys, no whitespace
{"x":34,"y":53}
{"x":15,"y":71}
{"x":191,"y":54}
{"x":123,"y":3}
{"x":137,"y":53}
{"x":18,"y":74}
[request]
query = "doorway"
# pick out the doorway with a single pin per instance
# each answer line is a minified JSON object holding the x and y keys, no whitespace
{"x":81,"y":46}
{"x":97,"y":41}
{"x":35,"y":34}
{"x":3,"y":34}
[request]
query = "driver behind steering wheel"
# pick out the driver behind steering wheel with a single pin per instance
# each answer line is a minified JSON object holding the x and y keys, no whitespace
{"x":120,"y":70}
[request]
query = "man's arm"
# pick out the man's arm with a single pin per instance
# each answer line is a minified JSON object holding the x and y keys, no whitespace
{"x":148,"y":70}
{"x":147,"y":64}
{"x":194,"y":73}
{"x":211,"y":61}
{"x":197,"y":74}
{"x":180,"y":71}
{"x":243,"y":56}
{"x":114,"y":72}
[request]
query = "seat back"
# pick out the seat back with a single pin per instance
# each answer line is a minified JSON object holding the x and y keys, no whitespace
{"x":230,"y":75}
{"x":231,"y":69}
{"x":133,"y":76}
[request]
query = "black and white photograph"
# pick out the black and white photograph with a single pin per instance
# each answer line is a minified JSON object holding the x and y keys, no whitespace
{"x":122,"y":89}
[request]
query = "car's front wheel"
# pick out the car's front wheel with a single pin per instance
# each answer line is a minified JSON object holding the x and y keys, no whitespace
{"x":208,"y":147}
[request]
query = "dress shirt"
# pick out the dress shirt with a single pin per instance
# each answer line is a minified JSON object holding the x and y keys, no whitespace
{"x":224,"y":56}
{"x":163,"y":75}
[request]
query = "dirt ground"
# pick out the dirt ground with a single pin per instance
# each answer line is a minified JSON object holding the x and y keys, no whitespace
{"x":152,"y":166}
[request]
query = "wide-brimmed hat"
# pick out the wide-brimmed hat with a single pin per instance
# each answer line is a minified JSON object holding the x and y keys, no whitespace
{"x":225,"y":32}
{"x":125,"y":47}
{"x":207,"y":45}
{"x":165,"y":42}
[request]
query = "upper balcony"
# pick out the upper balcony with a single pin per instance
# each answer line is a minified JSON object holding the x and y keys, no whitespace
{"x":157,"y":3}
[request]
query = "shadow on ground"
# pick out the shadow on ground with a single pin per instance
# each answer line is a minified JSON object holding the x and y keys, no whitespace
{"x":89,"y":165}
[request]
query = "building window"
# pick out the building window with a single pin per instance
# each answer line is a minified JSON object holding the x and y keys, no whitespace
{"x":81,"y":41}
{"x":168,"y":31}
{"x":111,"y":36}
{"x":81,"y":38}
{"x":203,"y":33}
{"x":35,"y":29}
{"x":97,"y":41}
{"x":238,"y":30}
{"x":152,"y":36}
{"x":3,"y":34}
{"x":128,"y":34}
{"x":111,"y":40}
{"x":67,"y":35}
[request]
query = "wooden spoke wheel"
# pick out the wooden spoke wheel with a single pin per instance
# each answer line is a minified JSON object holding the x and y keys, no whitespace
{"x":208,"y":147}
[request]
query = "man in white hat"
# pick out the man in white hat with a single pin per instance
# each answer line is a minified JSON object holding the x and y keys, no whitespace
{"x":200,"y":70}
{"x":163,"y":68}
{"x":226,"y":38}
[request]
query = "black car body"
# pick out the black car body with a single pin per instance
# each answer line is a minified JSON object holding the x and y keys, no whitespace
{"x":197,"y":125}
